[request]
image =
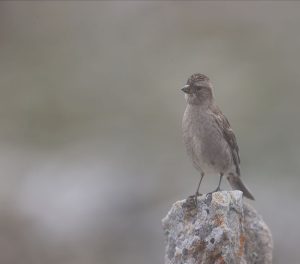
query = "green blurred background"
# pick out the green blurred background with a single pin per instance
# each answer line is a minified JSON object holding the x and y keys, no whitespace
{"x":91,"y":152}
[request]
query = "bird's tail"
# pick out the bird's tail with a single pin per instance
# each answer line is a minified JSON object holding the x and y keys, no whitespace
{"x":237,"y":184}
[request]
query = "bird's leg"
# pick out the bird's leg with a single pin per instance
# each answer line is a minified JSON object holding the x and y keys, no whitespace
{"x":220,"y":180}
{"x":193,"y":198}
{"x":197,"y":191}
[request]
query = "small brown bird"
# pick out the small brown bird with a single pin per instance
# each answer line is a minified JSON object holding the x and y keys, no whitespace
{"x":208,"y":137}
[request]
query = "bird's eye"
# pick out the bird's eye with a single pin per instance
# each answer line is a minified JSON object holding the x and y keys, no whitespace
{"x":198,"y":86}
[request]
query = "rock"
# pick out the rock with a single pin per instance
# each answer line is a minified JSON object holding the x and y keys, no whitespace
{"x":219,"y":228}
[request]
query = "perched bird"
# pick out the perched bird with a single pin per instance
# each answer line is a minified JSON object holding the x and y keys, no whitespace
{"x":208,"y":137}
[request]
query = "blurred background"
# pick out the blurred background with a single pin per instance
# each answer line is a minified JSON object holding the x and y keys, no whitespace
{"x":91,"y":154}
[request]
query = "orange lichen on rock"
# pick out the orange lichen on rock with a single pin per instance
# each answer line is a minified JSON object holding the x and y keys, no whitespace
{"x":242,"y":245}
{"x":219,"y":220}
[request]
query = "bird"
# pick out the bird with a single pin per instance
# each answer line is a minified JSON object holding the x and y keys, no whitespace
{"x":208,"y":137}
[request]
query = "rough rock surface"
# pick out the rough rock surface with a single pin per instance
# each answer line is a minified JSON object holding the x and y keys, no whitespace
{"x":219,"y":228}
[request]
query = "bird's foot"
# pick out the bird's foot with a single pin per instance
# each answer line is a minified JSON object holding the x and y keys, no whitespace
{"x":216,"y":190}
{"x":194,"y":197}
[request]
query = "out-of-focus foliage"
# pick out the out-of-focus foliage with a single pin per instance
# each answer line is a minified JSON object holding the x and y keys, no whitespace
{"x":91,"y":152}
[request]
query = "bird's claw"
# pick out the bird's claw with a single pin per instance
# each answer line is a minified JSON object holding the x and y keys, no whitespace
{"x":216,"y":190}
{"x":194,"y":197}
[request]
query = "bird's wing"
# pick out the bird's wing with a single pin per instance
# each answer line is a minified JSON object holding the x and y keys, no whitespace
{"x":223,"y":124}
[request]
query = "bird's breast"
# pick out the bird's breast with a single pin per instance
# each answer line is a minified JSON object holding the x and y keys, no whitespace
{"x":204,"y":142}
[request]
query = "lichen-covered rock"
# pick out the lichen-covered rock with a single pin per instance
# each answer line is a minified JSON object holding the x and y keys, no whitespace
{"x":219,"y":228}
{"x":258,"y":242}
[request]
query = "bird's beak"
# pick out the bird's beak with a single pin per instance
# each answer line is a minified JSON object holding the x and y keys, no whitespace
{"x":187,"y":89}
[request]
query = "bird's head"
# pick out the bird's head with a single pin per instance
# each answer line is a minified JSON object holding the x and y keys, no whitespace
{"x":198,"y":89}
